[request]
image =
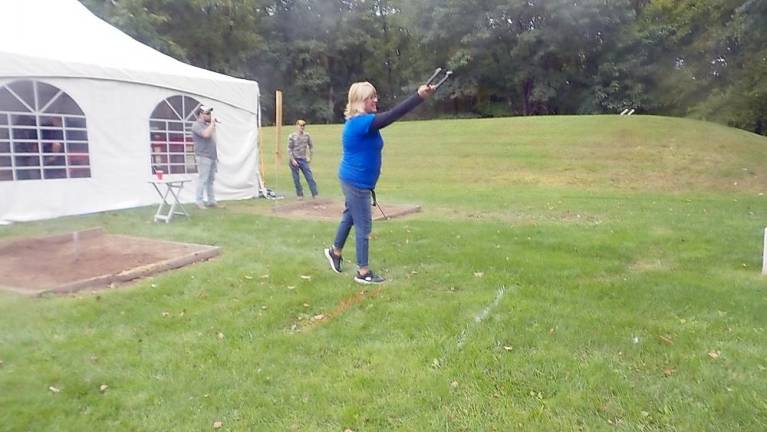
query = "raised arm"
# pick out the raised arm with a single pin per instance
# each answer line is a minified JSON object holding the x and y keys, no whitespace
{"x":386,"y":118}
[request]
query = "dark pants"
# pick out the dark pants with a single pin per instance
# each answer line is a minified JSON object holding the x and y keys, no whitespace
{"x":303,"y":165}
{"x":357,"y":212}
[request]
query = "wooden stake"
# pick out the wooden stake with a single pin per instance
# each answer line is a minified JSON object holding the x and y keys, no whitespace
{"x":278,"y":126}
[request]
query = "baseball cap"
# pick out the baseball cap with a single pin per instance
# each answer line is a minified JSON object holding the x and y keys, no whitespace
{"x":205,"y":109}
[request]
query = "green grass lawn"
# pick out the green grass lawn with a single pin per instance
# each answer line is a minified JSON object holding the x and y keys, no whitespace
{"x":566,"y":273}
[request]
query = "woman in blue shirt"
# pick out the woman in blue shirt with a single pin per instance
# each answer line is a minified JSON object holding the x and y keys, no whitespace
{"x":360,"y":167}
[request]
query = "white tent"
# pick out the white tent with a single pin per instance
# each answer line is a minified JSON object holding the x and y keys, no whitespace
{"x":120,"y":108}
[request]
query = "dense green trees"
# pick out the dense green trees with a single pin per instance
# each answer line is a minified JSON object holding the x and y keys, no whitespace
{"x":706,"y":59}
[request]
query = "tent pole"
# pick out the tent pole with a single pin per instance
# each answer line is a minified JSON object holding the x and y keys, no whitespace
{"x":261,"y":183}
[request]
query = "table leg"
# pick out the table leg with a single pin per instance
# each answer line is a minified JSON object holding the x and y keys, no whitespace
{"x":176,"y":191}
{"x":173,"y":189}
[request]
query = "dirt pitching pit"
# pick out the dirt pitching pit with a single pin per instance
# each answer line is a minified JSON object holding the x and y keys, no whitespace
{"x":330,"y":210}
{"x":89,"y":260}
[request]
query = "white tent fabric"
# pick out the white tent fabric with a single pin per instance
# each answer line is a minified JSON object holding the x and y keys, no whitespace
{"x":117,"y":82}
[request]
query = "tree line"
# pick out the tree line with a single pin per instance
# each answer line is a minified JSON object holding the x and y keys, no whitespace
{"x":697,"y":58}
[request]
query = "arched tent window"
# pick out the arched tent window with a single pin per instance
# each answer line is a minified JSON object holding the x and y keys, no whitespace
{"x":170,"y":135}
{"x":43,"y":133}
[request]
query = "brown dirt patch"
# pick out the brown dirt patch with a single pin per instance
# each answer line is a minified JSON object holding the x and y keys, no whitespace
{"x":327,"y":209}
{"x":309,"y":324}
{"x":89,"y":259}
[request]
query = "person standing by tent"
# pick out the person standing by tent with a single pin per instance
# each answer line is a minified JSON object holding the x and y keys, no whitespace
{"x":300,"y":149}
{"x":204,"y":136}
{"x":359,"y":170}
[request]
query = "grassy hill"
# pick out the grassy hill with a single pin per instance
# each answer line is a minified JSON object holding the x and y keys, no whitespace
{"x":566,"y":273}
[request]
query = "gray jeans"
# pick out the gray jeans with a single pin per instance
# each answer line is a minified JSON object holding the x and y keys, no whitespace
{"x":206,"y":174}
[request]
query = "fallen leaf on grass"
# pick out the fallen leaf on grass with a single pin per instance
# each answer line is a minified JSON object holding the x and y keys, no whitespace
{"x":479,"y":274}
{"x":220,"y":335}
{"x":714,"y":354}
{"x":54,"y":389}
{"x":666,"y":339}
{"x":103,"y":388}
{"x":266,"y":276}
{"x":306,"y":305}
{"x":319,"y":317}
{"x":165,"y":314}
{"x":508,"y":348}
{"x":218,"y":424}
{"x":667,"y":372}
{"x":248,"y":277}
{"x":305,"y":277}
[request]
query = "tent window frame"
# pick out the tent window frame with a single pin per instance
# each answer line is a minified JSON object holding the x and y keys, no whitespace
{"x":38,"y":141}
{"x":171,"y":146}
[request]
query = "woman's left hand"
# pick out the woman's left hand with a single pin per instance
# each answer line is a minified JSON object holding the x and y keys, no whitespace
{"x":426,"y":90}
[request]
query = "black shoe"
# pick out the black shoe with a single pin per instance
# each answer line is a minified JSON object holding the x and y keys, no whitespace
{"x":369,"y":278}
{"x":336,"y":262}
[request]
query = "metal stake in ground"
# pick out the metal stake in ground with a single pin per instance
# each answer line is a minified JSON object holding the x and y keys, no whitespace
{"x":76,"y":245}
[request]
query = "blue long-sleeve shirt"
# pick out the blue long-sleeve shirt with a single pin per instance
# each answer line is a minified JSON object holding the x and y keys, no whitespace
{"x":362,"y":144}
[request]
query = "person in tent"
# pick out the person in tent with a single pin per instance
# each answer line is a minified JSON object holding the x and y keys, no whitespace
{"x":204,"y":136}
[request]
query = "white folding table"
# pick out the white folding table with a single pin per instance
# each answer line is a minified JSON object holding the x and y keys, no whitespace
{"x":169,"y":207}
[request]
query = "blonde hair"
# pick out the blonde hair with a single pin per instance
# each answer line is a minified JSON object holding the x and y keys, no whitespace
{"x":358,"y":93}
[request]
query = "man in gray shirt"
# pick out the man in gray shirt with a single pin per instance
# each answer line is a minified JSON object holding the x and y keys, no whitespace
{"x":300,"y":149}
{"x":203,"y":134}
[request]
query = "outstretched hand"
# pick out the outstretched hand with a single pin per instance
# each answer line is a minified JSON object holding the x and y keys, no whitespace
{"x":426,"y":90}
